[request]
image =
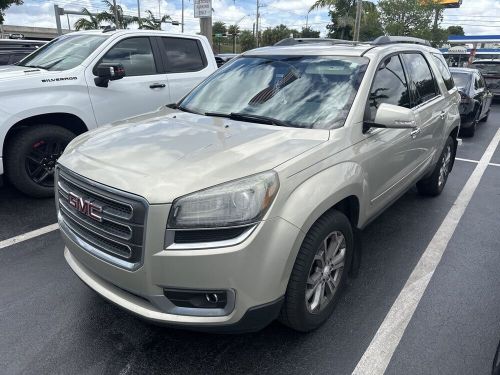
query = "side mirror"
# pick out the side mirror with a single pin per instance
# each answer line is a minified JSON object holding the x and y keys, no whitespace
{"x":393,"y":117}
{"x":108,"y":72}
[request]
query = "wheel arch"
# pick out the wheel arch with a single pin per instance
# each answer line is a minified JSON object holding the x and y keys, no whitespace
{"x":68,"y":121}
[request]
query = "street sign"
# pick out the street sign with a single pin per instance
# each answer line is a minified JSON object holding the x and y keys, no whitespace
{"x":202,"y":8}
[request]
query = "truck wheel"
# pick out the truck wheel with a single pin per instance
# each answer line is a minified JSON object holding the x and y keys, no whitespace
{"x":434,"y":184}
{"x":31,"y":158}
{"x":319,"y":273}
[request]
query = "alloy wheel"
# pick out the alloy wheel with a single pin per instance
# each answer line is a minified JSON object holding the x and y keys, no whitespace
{"x":326,"y":272}
{"x":41,"y":161}
{"x":445,"y":166}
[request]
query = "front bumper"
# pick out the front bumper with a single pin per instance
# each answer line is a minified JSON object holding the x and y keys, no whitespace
{"x":256,"y":271}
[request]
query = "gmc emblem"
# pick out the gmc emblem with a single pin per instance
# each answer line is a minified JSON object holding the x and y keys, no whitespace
{"x":85,"y":206}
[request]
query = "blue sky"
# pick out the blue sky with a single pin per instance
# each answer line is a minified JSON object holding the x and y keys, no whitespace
{"x":476,"y":16}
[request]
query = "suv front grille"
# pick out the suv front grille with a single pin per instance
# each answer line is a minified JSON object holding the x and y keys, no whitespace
{"x":119,"y":235}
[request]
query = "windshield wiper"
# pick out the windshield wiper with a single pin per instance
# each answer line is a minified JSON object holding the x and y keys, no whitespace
{"x":251,"y":118}
{"x":184,"y":109}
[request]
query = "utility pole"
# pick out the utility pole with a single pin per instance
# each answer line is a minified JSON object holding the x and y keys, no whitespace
{"x":115,"y":11}
{"x":357,"y":25}
{"x":139,"y":13}
{"x":182,"y":17}
{"x":257,"y":25}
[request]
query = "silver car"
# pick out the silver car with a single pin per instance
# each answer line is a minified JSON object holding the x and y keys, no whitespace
{"x":243,"y":202}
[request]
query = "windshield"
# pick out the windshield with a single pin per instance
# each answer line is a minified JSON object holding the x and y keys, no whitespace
{"x":461,"y":79}
{"x":488,"y":68}
{"x":63,"y":53}
{"x":299,"y":91}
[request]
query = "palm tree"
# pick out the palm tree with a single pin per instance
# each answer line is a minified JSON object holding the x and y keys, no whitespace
{"x":86,"y":24}
{"x":106,"y":16}
{"x":151,"y":23}
{"x":233,"y":30}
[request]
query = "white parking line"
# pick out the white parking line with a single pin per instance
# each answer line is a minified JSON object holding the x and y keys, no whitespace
{"x":28,"y":236}
{"x":468,"y":160}
{"x":477,"y":161}
{"x":381,"y":349}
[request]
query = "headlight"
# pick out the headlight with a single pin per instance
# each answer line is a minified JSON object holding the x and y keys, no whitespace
{"x":238,"y":202}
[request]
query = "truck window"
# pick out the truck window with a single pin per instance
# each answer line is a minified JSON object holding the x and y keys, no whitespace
{"x":183,"y":55}
{"x":389,"y":86}
{"x":135,"y":54}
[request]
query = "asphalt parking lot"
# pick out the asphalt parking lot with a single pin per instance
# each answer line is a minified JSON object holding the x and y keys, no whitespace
{"x":50,"y":322}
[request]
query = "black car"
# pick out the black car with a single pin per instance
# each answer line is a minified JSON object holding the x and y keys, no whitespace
{"x":12,"y":51}
{"x":475,"y":98}
{"x":223,"y":58}
{"x":490,"y":69}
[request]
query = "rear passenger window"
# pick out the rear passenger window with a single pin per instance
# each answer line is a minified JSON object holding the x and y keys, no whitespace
{"x":183,"y":55}
{"x":135,"y":54}
{"x":444,"y":70}
{"x":423,"y":83}
{"x":389,"y":86}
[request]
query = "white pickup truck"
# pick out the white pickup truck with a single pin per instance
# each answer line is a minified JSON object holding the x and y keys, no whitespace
{"x":85,"y":79}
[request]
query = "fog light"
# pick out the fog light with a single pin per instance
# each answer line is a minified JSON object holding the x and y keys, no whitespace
{"x":197,"y":299}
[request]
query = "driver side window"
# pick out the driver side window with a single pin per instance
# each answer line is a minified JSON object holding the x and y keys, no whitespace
{"x":135,"y":54}
{"x":389,"y":86}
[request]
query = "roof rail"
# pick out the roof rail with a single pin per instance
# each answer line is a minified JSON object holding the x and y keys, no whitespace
{"x":385,"y":39}
{"x":298,"y":41}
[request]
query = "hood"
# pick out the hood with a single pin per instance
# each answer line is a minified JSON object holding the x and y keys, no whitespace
{"x":167,"y":154}
{"x":14,"y":71}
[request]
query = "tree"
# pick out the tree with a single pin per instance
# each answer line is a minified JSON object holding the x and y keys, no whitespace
{"x":343,"y":15}
{"x":407,"y":17}
{"x":107,"y":16}
{"x":247,"y":40}
{"x":4,"y":5}
{"x":233,"y":30}
{"x":371,"y":27}
{"x":151,"y":23}
{"x":456,"y":30}
{"x":88,"y":24}
{"x":273,"y":35}
{"x":219,"y":28}
{"x":307,"y":32}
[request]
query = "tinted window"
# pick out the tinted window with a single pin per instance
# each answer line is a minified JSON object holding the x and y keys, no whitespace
{"x":462,"y":79}
{"x":444,"y":70}
{"x":183,"y":55}
{"x":4,"y":59}
{"x":135,"y":54}
{"x":423,"y":83}
{"x":17,"y":57}
{"x":300,"y":91}
{"x":488,"y":68}
{"x":389,"y":86}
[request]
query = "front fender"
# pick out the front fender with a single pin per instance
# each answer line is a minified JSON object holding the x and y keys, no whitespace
{"x":320,"y":192}
{"x":316,"y":195}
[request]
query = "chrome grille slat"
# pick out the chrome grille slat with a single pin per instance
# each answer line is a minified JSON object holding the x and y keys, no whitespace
{"x":119,"y":232}
{"x":79,"y":219}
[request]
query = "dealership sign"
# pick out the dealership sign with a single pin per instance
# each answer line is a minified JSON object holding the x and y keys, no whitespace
{"x":202,"y":8}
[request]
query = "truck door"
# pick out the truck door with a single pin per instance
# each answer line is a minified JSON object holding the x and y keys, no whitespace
{"x":143,"y":89}
{"x":186,"y":64}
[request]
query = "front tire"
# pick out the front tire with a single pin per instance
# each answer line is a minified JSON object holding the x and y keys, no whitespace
{"x":434,"y":184}
{"x":319,"y":273}
{"x":32,"y":154}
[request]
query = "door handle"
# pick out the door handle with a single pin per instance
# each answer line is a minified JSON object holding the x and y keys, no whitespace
{"x":157,"y":86}
{"x":415,"y":132}
{"x":442,"y":115}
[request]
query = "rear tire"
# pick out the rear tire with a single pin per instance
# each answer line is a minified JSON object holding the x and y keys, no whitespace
{"x":31,"y":157}
{"x":470,"y":131}
{"x":319,"y":274}
{"x":435,"y":183}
